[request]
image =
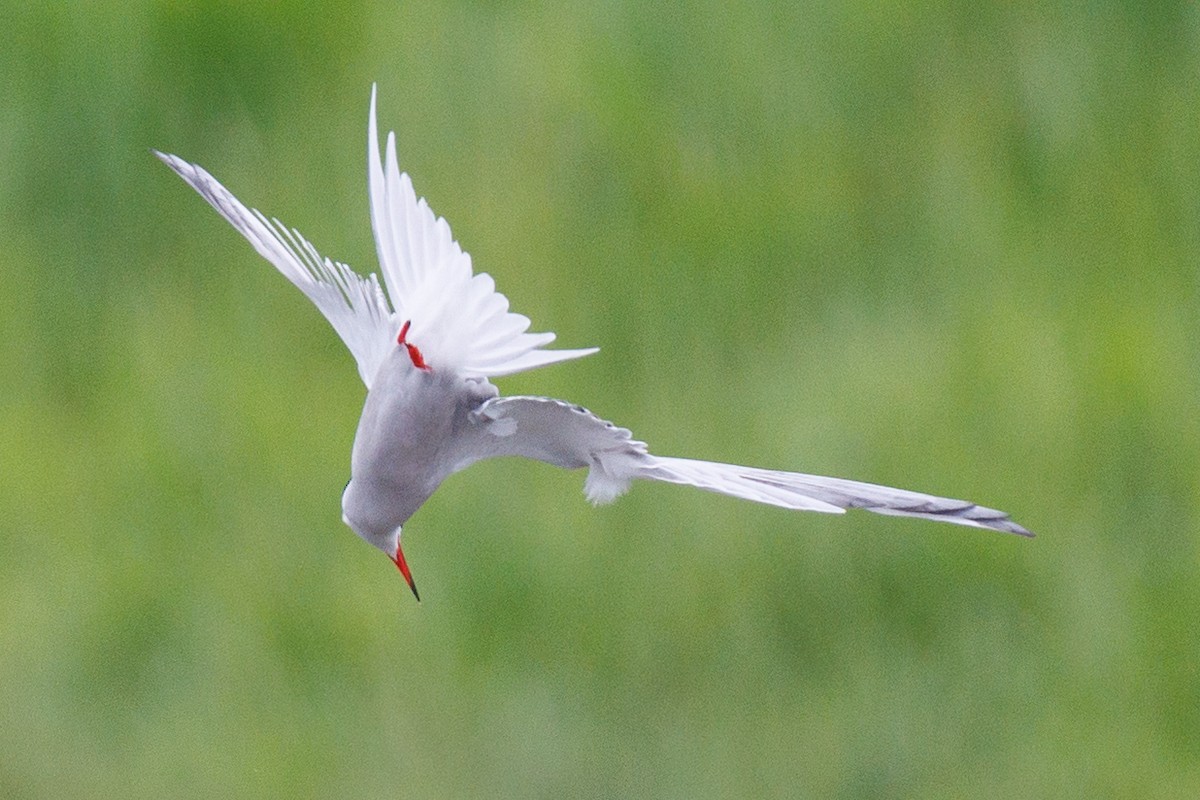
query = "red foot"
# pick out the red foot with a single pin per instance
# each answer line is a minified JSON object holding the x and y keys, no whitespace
{"x":413,"y":352}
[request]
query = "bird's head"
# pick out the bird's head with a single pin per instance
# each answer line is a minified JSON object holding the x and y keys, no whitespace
{"x":387,"y":540}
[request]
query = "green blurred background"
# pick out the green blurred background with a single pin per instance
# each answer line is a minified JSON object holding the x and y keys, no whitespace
{"x":952,"y":248}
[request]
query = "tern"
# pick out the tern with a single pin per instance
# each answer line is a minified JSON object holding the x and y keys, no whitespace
{"x":427,"y":349}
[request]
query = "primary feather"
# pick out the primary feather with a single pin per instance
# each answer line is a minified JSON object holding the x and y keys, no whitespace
{"x":459,"y":320}
{"x":570,"y":436}
{"x":354,"y":305}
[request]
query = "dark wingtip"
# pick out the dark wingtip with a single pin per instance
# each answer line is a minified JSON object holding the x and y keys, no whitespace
{"x":1013,"y":527}
{"x":988,"y":518}
{"x":1001,"y":523}
{"x":997,"y":521}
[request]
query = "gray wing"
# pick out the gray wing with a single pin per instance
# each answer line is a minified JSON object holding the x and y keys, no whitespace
{"x":354,"y":305}
{"x":570,"y":436}
{"x":559,"y":433}
{"x":796,"y":490}
{"x":542,"y":428}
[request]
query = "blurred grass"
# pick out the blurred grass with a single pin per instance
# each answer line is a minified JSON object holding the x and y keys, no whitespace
{"x":949,"y":248}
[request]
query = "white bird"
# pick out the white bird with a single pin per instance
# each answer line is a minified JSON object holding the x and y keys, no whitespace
{"x":427,"y":350}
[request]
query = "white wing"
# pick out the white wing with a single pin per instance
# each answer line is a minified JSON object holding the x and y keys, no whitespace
{"x":458,"y":320}
{"x":571,"y":436}
{"x":554,"y":431}
{"x":354,"y":305}
{"x":819,"y":493}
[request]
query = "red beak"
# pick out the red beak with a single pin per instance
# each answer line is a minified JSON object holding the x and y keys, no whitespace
{"x":402,"y":565}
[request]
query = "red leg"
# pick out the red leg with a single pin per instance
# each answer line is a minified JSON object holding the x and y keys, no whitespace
{"x":413,"y":353}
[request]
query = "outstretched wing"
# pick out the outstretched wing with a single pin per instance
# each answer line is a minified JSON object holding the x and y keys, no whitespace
{"x":354,"y":305}
{"x":554,"y":431}
{"x":457,"y":319}
{"x":571,"y":436}
{"x":819,"y":493}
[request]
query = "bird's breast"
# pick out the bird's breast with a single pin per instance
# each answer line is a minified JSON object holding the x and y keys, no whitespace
{"x":404,"y":445}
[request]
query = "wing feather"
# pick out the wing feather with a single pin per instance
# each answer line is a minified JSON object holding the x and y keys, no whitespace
{"x":355,"y":306}
{"x":571,"y":436}
{"x":457,"y":318}
{"x":819,"y":493}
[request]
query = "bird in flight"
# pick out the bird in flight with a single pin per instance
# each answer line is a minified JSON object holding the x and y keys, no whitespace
{"x":427,"y":349}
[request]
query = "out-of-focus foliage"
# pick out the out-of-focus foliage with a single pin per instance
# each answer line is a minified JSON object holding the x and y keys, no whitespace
{"x":948,"y":247}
